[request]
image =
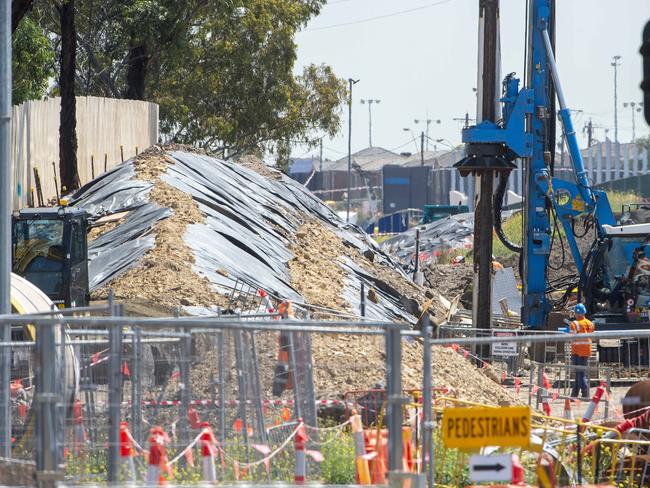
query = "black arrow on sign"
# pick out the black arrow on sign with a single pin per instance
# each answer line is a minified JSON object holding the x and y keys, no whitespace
{"x":489,"y":467}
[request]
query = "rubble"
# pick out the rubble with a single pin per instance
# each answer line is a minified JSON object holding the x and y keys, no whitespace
{"x":190,"y":227}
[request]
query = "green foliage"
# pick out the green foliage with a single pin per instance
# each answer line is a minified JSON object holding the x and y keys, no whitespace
{"x":618,"y":199}
{"x":32,"y":62}
{"x":232,"y":87}
{"x":643,"y":142}
{"x":222,"y":71}
{"x":338,"y":466}
{"x":512,"y":228}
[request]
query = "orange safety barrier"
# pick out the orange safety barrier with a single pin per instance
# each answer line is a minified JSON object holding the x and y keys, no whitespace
{"x":377,"y":450}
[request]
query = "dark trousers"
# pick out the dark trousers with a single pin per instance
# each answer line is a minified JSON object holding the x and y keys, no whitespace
{"x":580,"y":384}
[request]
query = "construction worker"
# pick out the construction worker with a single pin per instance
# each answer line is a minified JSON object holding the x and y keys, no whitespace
{"x":580,"y":350}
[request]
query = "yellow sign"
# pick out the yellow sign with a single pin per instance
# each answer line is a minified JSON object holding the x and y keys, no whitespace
{"x":466,"y":427}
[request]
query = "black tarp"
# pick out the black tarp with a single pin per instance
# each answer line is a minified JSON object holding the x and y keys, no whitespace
{"x":250,"y":222}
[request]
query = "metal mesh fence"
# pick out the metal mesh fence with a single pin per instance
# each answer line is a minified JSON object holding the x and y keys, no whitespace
{"x":250,"y":385}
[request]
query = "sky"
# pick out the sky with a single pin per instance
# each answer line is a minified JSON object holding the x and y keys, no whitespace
{"x":419,"y":59}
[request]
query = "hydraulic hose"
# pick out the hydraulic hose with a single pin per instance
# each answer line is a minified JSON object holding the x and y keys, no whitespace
{"x":498,"y":207}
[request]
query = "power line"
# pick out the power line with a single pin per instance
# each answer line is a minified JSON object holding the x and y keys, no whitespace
{"x":379,"y":17}
{"x":410,"y":141}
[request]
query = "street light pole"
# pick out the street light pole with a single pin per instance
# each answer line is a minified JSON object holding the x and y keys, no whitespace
{"x":370,"y":102}
{"x":446,"y":143}
{"x":351,"y":83}
{"x":634,"y":109}
{"x":616,"y":64}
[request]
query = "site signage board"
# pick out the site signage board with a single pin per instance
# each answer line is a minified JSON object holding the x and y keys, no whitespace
{"x":468,"y":427}
{"x":505,"y":348}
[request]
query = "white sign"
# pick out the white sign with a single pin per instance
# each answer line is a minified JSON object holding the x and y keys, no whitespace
{"x":490,"y":468}
{"x":504,"y":349}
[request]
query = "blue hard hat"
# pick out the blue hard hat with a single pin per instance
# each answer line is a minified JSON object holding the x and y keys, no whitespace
{"x":581,"y":309}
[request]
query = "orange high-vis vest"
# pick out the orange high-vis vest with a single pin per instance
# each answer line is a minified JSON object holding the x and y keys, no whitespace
{"x":582,"y":347}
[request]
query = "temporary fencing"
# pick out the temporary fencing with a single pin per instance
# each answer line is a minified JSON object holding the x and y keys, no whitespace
{"x":148,"y":397}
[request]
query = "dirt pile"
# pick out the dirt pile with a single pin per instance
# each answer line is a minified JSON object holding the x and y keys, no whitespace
{"x":165,"y":276}
{"x":450,"y":280}
{"x":335,"y":370}
{"x":315,"y":270}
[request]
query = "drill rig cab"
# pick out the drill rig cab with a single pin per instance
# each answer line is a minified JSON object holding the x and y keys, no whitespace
{"x":49,"y":249}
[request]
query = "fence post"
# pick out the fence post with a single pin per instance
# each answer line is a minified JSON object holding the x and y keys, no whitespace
{"x":47,"y":450}
{"x":293,"y":373}
{"x":540,"y":382}
{"x":136,"y":394}
{"x":114,"y":394}
{"x":428,"y":467}
{"x":530,"y":383}
{"x":222,"y":385}
{"x":256,"y":385}
{"x":185,"y":387}
{"x":394,"y":397}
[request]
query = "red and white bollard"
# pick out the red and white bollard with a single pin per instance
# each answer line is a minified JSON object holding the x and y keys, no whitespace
{"x":300,"y":444}
{"x":79,"y":429}
{"x":567,"y":409}
{"x":127,"y":451}
{"x":208,"y":443}
{"x":266,"y":301}
{"x":595,"y":400}
{"x":157,"y":456}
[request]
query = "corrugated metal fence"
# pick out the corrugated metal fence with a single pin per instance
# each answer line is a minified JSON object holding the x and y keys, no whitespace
{"x":107,"y":130}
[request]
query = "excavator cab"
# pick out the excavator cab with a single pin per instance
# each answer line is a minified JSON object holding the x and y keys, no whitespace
{"x":49,"y":249}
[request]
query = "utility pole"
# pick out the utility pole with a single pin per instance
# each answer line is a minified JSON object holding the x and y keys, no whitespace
{"x":351,"y":83}
{"x":5,"y":224}
{"x":422,"y":149}
{"x":465,"y":120}
{"x":428,"y":123}
{"x":320,"y":156}
{"x":616,"y":64}
{"x":484,"y":218}
{"x":369,"y":102}
{"x":589,"y":128}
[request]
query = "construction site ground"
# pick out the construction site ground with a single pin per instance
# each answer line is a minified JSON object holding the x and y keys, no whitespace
{"x":165,"y":279}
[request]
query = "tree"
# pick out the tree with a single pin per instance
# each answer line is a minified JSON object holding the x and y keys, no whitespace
{"x":68,"y":125}
{"x":233,"y":90}
{"x":19,"y":9}
{"x":643,"y":142}
{"x":32,"y":62}
{"x":222,"y":71}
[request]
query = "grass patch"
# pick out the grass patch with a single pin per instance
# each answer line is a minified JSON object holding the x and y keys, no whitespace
{"x":512,"y":228}
{"x":618,"y":199}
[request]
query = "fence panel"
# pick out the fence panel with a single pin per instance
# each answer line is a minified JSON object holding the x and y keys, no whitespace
{"x":108,"y":132}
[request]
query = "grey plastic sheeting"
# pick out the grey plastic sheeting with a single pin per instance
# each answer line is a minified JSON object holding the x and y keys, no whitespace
{"x":250,"y":222}
{"x":112,"y":192}
{"x":451,"y":232}
{"x":388,"y":306}
{"x":115,"y":251}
